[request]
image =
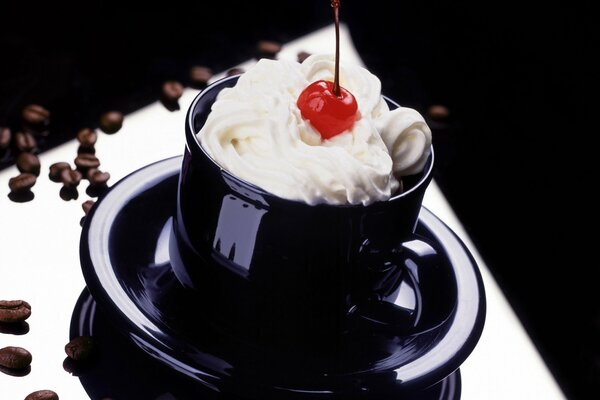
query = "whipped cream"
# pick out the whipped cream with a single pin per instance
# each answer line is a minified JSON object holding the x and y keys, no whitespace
{"x":256,"y":132}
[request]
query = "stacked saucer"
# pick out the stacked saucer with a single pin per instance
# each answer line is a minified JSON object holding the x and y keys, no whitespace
{"x":126,"y":263}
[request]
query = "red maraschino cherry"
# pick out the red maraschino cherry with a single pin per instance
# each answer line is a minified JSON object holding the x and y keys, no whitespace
{"x":328,"y":113}
{"x":330,"y":108}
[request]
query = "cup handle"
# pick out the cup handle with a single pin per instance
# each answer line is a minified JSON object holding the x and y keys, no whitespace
{"x":387,"y":270}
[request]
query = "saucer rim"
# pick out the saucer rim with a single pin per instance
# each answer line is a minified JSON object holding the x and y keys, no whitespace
{"x":106,"y":289}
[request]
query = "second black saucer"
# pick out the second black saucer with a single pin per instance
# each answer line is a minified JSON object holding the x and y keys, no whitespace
{"x":121,"y":370}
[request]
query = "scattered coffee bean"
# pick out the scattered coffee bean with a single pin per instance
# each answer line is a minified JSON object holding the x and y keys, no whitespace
{"x":86,"y":161}
{"x":97,"y":177}
{"x":14,"y":328}
{"x":27,"y":162}
{"x":14,"y":311}
{"x":199,"y":76}
{"x":87,"y":206}
{"x":98,"y":182}
{"x":5,"y":136}
{"x":235,"y":71}
{"x":302,"y":55}
{"x":86,"y":150}
{"x":90,"y":172}
{"x":170,"y":105}
{"x":80,"y":348}
{"x":56,"y":169}
{"x":267,"y":49}
{"x":75,"y":368}
{"x":14,"y":357}
{"x":24,"y":141}
{"x":21,"y":197}
{"x":96,"y":191}
{"x":172,"y":91}
{"x":111,"y":122}
{"x":70,"y":177}
{"x":21,"y":183}
{"x":438,"y":112}
{"x":20,"y":187}
{"x":42,"y":395}
{"x":87,"y":138}
{"x":16,"y":372}
{"x":35,"y":115}
{"x":68,"y":193}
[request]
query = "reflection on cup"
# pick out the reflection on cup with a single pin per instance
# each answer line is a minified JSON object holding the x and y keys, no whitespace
{"x":257,"y":257}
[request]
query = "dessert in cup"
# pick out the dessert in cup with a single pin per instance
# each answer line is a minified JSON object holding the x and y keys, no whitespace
{"x":276,"y":222}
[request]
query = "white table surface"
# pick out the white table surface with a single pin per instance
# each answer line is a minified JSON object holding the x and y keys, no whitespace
{"x":39,"y":259}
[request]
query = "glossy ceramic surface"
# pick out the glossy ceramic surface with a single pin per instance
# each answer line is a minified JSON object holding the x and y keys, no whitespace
{"x":256,"y":256}
{"x":126,"y":264}
{"x":121,"y":370}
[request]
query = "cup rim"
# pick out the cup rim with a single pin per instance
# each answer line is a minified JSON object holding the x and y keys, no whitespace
{"x":192,"y":136}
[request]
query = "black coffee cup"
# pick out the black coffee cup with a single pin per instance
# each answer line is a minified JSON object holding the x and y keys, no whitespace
{"x":263,"y":264}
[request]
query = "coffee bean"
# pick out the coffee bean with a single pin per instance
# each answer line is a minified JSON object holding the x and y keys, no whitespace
{"x":21,"y":183}
{"x":14,"y":328}
{"x":87,"y":206}
{"x":42,"y":395}
{"x":111,"y":122}
{"x":56,"y":169}
{"x":96,"y":191}
{"x":76,"y":368}
{"x":267,"y":49}
{"x":170,"y":105}
{"x":86,"y":150}
{"x":90,"y":172}
{"x":172,"y":91}
{"x":80,"y":348}
{"x":16,"y":372}
{"x":302,"y":55}
{"x":21,"y":197}
{"x":35,"y":115}
{"x":87,"y":137}
{"x":24,"y":141}
{"x":27,"y":162}
{"x":14,"y":357}
{"x":199,"y":76}
{"x":86,"y":161}
{"x":68,"y":193}
{"x":438,"y":112}
{"x":97,"y":177}
{"x":70,"y":177}
{"x":5,"y":136}
{"x":14,"y":311}
{"x":235,"y":71}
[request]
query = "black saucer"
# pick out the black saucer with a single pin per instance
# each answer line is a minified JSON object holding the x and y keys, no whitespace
{"x":125,"y":260}
{"x":121,"y":370}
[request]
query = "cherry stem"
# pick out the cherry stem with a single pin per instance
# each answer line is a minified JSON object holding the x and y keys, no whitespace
{"x":335,"y":4}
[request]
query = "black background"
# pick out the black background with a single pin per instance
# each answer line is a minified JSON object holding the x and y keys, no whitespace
{"x":514,"y":159}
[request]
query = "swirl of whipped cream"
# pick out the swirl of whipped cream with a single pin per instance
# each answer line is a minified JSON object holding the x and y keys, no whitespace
{"x":256,"y":132}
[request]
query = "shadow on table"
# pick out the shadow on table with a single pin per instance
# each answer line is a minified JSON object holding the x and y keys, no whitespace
{"x":120,"y":371}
